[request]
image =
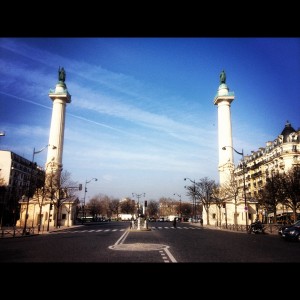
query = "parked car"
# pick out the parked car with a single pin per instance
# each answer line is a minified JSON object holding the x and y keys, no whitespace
{"x":292,"y":232}
{"x":282,"y":228}
{"x":152,"y":219}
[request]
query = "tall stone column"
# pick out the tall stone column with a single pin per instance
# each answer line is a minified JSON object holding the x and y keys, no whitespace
{"x":60,"y":97}
{"x":223,"y":100}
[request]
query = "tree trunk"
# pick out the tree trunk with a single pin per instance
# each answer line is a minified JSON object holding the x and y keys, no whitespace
{"x":207,"y":215}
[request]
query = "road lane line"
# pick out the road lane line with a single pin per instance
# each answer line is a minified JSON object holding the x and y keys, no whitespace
{"x":172,"y":258}
{"x":122,"y":238}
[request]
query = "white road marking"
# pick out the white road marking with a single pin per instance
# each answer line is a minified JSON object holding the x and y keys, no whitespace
{"x":122,"y":238}
{"x":172,"y":258}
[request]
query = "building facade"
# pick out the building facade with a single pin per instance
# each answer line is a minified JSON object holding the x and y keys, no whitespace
{"x":20,"y":178}
{"x":278,"y":156}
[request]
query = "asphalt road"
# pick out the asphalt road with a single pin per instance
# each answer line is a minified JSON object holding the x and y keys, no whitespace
{"x":114,"y":243}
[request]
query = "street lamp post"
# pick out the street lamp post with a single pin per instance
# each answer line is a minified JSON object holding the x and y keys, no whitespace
{"x":85,"y":190}
{"x":179,"y":204}
{"x":138,"y":196}
{"x":244,"y":181}
{"x":138,"y":212}
{"x":194,"y":198}
{"x":30,"y":183}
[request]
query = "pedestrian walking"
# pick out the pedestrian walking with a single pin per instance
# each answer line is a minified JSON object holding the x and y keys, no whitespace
{"x":174,"y":222}
{"x":201,"y":222}
{"x":131,"y":223}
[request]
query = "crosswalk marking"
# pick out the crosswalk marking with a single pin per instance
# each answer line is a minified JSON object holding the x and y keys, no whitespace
{"x":122,"y":229}
{"x":160,"y":228}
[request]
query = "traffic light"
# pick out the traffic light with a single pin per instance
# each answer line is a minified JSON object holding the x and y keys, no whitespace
{"x":80,"y":186}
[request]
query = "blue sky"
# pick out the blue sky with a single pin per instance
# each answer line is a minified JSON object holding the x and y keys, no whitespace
{"x":142,"y":116}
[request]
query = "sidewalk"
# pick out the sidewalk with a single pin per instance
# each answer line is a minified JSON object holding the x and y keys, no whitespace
{"x":269,"y":228}
{"x":13,"y":232}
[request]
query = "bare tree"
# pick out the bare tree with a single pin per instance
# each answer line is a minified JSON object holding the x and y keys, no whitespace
{"x":94,"y":207}
{"x":41,"y":194}
{"x":153,"y":208}
{"x":205,"y":192}
{"x":219,"y":198}
{"x":230,"y":191}
{"x":114,"y":206}
{"x":191,"y":192}
{"x":186,"y":209}
{"x":105,"y":206}
{"x":128,"y":206}
{"x":291,"y":189}
{"x":273,"y":193}
{"x":57,"y":190}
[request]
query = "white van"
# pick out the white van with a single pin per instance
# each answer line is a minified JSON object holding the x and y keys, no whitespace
{"x":126,"y":217}
{"x":172,"y":217}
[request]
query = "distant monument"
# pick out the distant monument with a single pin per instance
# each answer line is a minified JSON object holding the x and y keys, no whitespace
{"x":222,"y":77}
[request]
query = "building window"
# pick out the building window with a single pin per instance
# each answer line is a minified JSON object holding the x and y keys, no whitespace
{"x":213,"y":216}
{"x":63,"y":216}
